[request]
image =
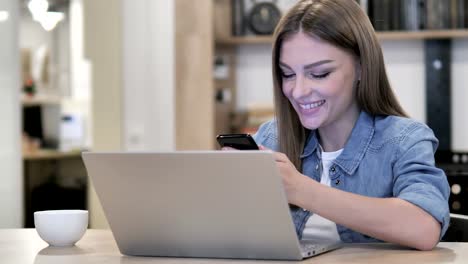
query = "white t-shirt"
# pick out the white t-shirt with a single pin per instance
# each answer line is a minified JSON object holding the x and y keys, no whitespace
{"x":318,"y":228}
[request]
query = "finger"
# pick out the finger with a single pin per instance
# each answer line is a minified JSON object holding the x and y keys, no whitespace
{"x":228,"y":148}
{"x":280,"y":157}
{"x":277,"y":155}
{"x":261,"y":147}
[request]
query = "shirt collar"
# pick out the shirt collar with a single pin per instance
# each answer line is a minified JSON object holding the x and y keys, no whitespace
{"x":355,"y":147}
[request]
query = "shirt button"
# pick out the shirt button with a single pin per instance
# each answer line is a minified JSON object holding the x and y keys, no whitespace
{"x":337,"y":182}
{"x":333,"y":169}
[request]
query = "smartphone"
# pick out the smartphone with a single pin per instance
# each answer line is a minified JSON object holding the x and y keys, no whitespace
{"x":237,"y":141}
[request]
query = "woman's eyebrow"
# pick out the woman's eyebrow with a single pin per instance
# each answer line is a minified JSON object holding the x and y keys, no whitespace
{"x":284,"y":65}
{"x":318,"y":63}
{"x":308,"y":66}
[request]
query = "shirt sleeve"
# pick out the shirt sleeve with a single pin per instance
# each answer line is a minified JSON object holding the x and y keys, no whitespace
{"x":417,"y":179}
{"x":266,"y":135}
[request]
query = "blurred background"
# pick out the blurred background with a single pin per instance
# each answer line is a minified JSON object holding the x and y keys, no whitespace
{"x":148,"y":75}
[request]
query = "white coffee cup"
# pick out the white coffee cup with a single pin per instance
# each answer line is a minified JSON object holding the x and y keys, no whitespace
{"x":61,"y":228}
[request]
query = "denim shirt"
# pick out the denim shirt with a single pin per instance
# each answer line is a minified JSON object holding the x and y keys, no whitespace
{"x":385,"y":156}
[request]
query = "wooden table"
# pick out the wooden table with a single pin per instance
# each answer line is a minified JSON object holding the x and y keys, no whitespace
{"x":21,"y":246}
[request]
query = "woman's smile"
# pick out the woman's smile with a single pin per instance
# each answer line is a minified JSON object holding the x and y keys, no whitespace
{"x":311,"y":108}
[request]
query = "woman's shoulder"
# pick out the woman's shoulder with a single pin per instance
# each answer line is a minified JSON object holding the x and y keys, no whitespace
{"x":402,"y":129}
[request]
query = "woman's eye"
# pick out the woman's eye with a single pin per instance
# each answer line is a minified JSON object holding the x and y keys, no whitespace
{"x":320,"y":76}
{"x":287,"y":76}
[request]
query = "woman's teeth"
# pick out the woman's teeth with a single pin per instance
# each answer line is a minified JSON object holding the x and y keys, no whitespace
{"x":312,"y":105}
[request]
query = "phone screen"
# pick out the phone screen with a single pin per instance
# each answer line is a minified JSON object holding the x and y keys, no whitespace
{"x":237,"y":141}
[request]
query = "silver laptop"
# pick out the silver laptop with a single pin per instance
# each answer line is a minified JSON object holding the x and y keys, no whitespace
{"x":217,"y":204}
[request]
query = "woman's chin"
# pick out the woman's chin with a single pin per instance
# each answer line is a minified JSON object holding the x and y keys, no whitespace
{"x":311,"y":124}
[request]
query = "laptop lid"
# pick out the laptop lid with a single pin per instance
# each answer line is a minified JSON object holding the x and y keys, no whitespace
{"x":227,"y":204}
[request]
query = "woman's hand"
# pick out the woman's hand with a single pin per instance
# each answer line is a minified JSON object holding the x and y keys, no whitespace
{"x":293,"y":180}
{"x":228,"y":149}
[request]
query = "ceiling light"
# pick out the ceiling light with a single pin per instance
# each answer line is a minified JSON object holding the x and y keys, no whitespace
{"x":50,"y":20}
{"x":38,"y":8}
{"x":4,"y":15}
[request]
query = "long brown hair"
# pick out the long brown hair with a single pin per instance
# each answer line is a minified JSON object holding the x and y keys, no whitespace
{"x":345,"y":25}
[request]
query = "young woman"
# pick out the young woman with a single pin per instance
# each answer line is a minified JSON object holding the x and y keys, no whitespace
{"x":355,"y":166}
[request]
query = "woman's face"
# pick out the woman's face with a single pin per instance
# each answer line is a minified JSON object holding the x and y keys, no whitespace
{"x":319,"y":80}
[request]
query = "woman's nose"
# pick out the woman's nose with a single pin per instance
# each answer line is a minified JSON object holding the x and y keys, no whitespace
{"x":301,"y":88}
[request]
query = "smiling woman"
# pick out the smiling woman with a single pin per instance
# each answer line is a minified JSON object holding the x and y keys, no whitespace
{"x":356,"y":167}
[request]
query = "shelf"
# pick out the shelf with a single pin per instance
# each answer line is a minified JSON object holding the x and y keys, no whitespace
{"x":222,"y":83}
{"x":45,"y":154}
{"x":40,"y":100}
{"x":245,"y":40}
{"x":423,"y":34}
{"x":387,"y":35}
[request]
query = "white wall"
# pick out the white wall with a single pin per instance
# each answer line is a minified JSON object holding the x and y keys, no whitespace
{"x":132,"y":78}
{"x":405,"y":67}
{"x":78,"y":102}
{"x":103,"y":48}
{"x":460,"y":95}
{"x":148,"y":75}
{"x":61,"y":50}
{"x":11,"y":201}
{"x":31,"y":33}
{"x":404,"y":60}
{"x":254,"y":78}
{"x":80,"y":69}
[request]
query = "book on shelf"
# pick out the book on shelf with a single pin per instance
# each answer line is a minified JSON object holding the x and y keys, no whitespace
{"x":457,"y":14}
{"x":395,"y":15}
{"x":381,"y":15}
{"x":423,"y":14}
{"x":466,"y":13}
{"x":462,"y":14}
{"x":412,"y":15}
{"x":237,"y":15}
{"x":438,"y":15}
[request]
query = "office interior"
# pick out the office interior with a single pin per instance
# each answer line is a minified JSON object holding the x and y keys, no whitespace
{"x":119,"y":75}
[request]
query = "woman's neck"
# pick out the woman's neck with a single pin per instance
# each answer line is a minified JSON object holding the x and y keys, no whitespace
{"x":333,"y":137}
